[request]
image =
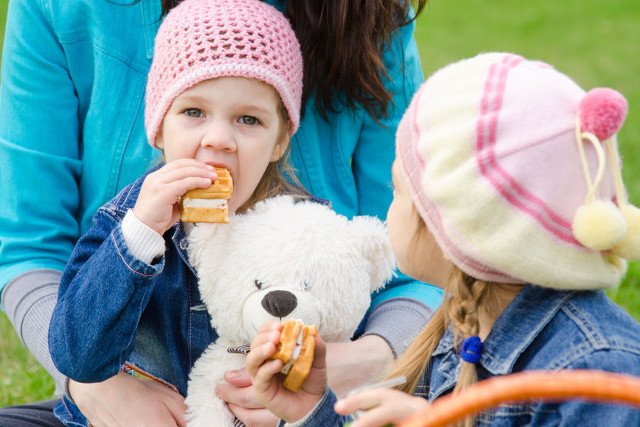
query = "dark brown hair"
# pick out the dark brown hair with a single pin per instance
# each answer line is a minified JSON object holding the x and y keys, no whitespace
{"x":342,"y":44}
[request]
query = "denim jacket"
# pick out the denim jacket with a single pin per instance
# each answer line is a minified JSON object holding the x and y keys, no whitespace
{"x":542,"y":329}
{"x":115,"y":312}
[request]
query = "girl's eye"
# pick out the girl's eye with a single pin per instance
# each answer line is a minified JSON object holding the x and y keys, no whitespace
{"x":193,"y":112}
{"x":258,"y":284}
{"x":248,"y":120}
{"x":305,"y":286}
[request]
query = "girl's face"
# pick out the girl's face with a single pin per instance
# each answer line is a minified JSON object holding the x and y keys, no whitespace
{"x":232,"y":122}
{"x":416,"y":250}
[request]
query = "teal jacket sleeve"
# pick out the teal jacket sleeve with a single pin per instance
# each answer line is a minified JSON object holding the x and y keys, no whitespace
{"x":39,"y":145}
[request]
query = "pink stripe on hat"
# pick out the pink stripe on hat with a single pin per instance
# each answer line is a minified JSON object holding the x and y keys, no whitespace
{"x":489,"y":166}
{"x":411,"y":166}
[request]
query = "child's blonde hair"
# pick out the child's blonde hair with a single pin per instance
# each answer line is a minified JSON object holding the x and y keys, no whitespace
{"x":279,"y":178}
{"x":464,"y":297}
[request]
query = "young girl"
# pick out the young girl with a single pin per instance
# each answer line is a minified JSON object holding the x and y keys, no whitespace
{"x":224,"y":90}
{"x":508,"y":170}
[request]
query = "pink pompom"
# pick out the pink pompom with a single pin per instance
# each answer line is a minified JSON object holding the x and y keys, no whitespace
{"x":602,"y":112}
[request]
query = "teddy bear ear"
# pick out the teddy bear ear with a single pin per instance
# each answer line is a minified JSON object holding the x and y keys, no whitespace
{"x":374,"y":241}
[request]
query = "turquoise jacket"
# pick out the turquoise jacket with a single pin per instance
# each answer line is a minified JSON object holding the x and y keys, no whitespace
{"x":72,"y":134}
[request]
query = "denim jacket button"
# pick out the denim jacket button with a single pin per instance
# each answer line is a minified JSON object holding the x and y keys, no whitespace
{"x":184,"y":244}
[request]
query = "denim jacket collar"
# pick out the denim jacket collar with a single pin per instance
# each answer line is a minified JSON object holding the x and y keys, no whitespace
{"x":524,"y":317}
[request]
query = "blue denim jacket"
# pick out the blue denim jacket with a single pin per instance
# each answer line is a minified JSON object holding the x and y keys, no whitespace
{"x":542,"y":329}
{"x":113,"y":308}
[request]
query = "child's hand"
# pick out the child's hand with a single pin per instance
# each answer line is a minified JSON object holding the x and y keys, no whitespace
{"x":157,"y":204}
{"x":380,"y":407}
{"x":267,"y":382}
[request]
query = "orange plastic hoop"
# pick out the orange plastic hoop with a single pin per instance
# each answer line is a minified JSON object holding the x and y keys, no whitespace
{"x":526,"y":386}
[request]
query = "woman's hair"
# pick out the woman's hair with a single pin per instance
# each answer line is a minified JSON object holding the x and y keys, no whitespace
{"x":279,"y":177}
{"x":342,"y":44}
{"x":464,"y":295}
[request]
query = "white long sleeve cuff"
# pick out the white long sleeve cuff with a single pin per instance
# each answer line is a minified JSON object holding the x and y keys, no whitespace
{"x":143,"y":242}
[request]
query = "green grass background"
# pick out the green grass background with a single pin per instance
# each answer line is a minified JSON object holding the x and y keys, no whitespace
{"x":595,"y":42}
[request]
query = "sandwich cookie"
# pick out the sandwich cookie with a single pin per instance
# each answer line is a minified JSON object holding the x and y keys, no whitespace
{"x":208,"y":204}
{"x":296,"y":349}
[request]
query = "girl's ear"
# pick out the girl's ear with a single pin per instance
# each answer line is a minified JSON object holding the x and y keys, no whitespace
{"x":159,"y":140}
{"x":280,"y":147}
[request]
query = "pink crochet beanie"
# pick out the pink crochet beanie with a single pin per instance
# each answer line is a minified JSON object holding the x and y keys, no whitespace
{"x":515,"y":171}
{"x":203,"y":39}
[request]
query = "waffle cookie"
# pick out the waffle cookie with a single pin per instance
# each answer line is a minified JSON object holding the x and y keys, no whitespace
{"x":208,"y":204}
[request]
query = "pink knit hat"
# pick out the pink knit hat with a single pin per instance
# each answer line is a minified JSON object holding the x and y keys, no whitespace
{"x":516,"y":173}
{"x":203,"y":39}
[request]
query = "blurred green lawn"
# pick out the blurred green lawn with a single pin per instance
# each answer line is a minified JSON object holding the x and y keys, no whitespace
{"x":595,"y":42}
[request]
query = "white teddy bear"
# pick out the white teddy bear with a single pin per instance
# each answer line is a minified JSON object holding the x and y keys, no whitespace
{"x":282,"y":259}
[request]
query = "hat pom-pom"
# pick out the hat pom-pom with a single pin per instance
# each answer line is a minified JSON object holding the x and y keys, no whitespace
{"x":602,"y":112}
{"x":599,"y":225}
{"x":629,"y":247}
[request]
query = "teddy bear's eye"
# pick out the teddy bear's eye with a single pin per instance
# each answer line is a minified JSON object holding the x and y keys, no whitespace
{"x":305,"y":286}
{"x":258,"y":283}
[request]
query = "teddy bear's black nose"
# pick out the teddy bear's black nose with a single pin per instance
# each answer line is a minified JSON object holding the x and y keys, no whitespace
{"x":279,"y":303}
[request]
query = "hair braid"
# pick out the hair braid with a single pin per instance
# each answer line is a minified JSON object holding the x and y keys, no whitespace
{"x":467,"y":295}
